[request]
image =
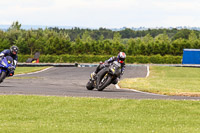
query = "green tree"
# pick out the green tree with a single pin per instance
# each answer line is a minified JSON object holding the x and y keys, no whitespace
{"x":117,"y":37}
{"x":192,"y":36}
{"x":163,"y":42}
{"x":147,"y":39}
{"x":182,"y":34}
{"x":15,"y":26}
{"x":30,"y":39}
{"x":86,"y":37}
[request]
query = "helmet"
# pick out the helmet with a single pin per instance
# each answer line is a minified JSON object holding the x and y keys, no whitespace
{"x":14,"y":49}
{"x":121,"y":57}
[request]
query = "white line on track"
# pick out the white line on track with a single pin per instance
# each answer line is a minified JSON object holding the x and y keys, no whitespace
{"x":117,"y":86}
{"x":34,"y":72}
{"x":148,"y":72}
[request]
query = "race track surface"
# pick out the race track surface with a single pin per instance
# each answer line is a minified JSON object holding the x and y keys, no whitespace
{"x":71,"y":81}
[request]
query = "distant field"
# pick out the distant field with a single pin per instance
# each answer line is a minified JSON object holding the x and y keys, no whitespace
{"x":167,"y":80}
{"x":42,"y":114}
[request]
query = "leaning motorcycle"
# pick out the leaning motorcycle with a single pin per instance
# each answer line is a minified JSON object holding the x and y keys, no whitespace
{"x":6,"y":67}
{"x":105,"y":77}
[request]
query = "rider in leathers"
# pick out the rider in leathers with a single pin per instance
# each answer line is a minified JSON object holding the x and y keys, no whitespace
{"x":13,"y":53}
{"x":120,"y":58}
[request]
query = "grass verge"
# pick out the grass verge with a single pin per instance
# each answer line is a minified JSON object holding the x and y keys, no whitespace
{"x":65,"y":114}
{"x":182,"y":81}
{"x":23,"y":70}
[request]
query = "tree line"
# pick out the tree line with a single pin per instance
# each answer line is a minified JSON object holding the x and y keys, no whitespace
{"x":76,"y":41}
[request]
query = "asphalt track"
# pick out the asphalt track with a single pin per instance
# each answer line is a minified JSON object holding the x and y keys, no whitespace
{"x":71,"y":81}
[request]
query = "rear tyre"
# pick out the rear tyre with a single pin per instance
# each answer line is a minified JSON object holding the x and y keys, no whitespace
{"x":90,"y":85}
{"x":3,"y":76}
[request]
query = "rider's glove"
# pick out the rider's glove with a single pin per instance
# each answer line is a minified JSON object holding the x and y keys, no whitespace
{"x":1,"y":58}
{"x":106,"y":64}
{"x":13,"y":67}
{"x":1,"y":55}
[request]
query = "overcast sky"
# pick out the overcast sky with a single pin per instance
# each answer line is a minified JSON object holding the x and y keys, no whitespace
{"x":101,"y":13}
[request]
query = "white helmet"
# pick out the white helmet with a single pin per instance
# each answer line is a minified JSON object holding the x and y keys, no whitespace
{"x":121,"y":57}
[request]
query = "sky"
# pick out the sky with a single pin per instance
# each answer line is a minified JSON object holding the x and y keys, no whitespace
{"x":101,"y":13}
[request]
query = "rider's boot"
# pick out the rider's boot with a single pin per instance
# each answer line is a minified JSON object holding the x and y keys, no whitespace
{"x":115,"y":81}
{"x":93,"y":75}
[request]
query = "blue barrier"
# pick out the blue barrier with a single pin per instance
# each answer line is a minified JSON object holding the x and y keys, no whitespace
{"x":191,"y":56}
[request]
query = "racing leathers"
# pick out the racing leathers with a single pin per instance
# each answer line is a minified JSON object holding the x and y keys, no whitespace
{"x":7,"y":52}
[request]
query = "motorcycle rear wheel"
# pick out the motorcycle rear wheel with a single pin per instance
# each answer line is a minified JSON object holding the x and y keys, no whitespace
{"x":90,"y":85}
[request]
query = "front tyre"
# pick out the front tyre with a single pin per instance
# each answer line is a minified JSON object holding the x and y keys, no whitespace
{"x":3,"y":76}
{"x":104,"y":82}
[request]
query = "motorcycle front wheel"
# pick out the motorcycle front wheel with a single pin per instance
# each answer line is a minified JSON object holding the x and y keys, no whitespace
{"x":103,"y":82}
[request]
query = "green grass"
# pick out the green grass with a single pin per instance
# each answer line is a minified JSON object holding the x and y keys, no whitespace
{"x":23,"y":70}
{"x":41,"y":114}
{"x":167,"y":80}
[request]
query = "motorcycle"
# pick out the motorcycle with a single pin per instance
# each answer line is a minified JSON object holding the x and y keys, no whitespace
{"x":6,"y":67}
{"x":105,"y":77}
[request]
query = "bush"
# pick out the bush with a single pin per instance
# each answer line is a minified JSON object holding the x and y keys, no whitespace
{"x":156,"y":59}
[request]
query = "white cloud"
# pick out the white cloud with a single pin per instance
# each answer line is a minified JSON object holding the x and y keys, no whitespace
{"x":177,"y":5}
{"x":25,"y":3}
{"x":96,"y":3}
{"x":178,"y":20}
{"x":101,"y":13}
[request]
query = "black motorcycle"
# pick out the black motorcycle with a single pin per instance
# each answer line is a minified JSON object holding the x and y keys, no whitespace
{"x":105,"y":77}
